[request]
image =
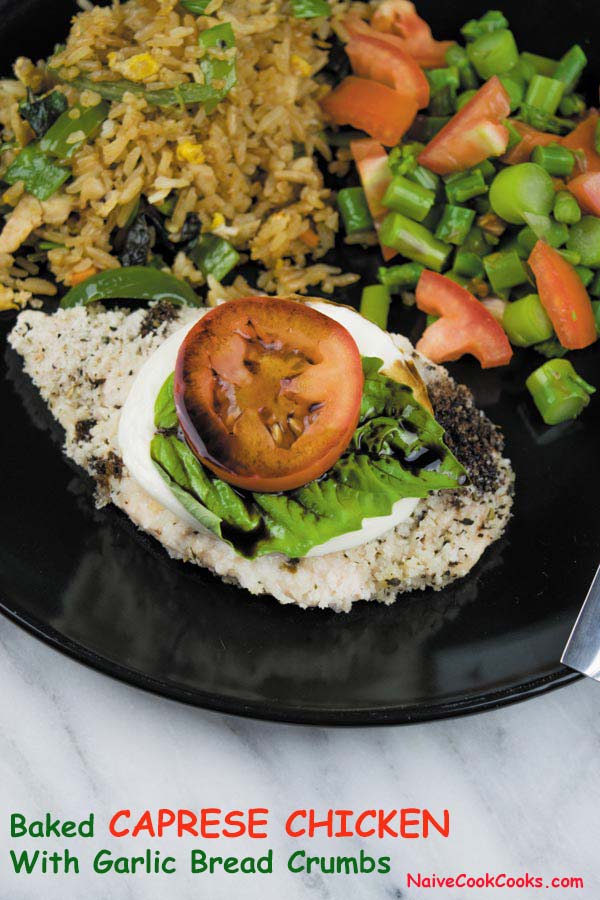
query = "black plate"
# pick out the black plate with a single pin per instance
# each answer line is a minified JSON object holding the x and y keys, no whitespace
{"x":91,"y":585}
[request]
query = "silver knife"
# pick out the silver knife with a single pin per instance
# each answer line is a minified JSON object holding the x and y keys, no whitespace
{"x":582,"y":651}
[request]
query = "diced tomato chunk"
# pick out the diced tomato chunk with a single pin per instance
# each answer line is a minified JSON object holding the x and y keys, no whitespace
{"x":465,"y":326}
{"x":382,"y":58}
{"x":564,"y":297}
{"x":379,"y":110}
{"x":586,"y":190}
{"x":400,"y":18}
{"x":475,"y":133}
{"x":530,"y":139}
{"x":583,"y":138}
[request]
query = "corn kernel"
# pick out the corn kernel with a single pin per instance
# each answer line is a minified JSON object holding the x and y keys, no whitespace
{"x":300,"y":65}
{"x":189,"y":151}
{"x":217,"y":220}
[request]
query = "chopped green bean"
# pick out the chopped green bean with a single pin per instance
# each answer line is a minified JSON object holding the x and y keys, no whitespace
{"x":375,"y":304}
{"x":515,"y":90}
{"x":413,"y":241}
{"x":514,"y":136}
{"x":464,"y":186}
{"x":572,"y":105}
{"x":571,"y":256}
{"x":551,"y":349}
{"x":543,"y":121}
{"x":526,"y":239}
{"x":558,"y":391}
{"x":464,"y":98}
{"x":517,"y":190}
{"x":213,"y":255}
{"x":566,"y":208}
{"x":544,"y":93}
{"x":594,"y":288}
{"x":570,"y":68}
{"x":400,"y":278}
{"x":596,"y":310}
{"x":468,"y":264}
{"x":555,"y":159}
{"x":425,"y":178}
{"x":457,"y":56}
{"x":493,"y":20}
{"x":524,"y":69}
{"x":586,"y":275}
{"x":504,"y":270}
{"x":475,"y":242}
{"x":458,"y":279}
{"x":540,"y":65}
{"x":409,"y":198}
{"x":40,"y":174}
{"x":403,"y":158}
{"x":554,"y":233}
{"x":444,"y":85}
{"x":494,"y":53}
{"x":455,"y":224}
{"x":584,"y":238}
{"x":353,"y":207}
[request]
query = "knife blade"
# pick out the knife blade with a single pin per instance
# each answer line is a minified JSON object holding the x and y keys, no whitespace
{"x":582,"y":650}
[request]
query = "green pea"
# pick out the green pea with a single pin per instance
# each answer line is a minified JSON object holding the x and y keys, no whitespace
{"x":525,"y":188}
{"x":584,"y":238}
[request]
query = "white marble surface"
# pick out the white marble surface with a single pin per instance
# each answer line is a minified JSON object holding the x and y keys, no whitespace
{"x":522,"y":784}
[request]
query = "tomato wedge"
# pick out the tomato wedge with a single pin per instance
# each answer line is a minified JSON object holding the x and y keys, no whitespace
{"x":475,"y":133}
{"x":375,"y":175}
{"x":399,"y":17}
{"x":382,"y":58}
{"x":465,"y":326}
{"x":586,"y":190}
{"x":564,"y":297}
{"x":268,"y":392}
{"x":379,"y":110}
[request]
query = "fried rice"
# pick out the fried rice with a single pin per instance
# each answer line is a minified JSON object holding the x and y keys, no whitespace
{"x":249,"y":170}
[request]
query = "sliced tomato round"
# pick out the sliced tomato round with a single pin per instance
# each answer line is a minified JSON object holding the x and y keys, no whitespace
{"x":268,"y":392}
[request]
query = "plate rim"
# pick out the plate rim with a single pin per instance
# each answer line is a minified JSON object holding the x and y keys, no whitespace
{"x":415,"y":714}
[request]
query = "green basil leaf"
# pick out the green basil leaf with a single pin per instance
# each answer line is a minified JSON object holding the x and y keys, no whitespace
{"x":397,"y":451}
